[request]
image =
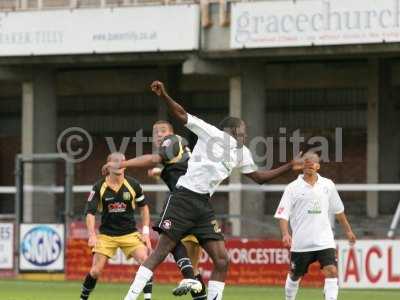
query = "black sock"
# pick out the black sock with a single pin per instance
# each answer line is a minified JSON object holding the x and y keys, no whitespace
{"x":88,"y":286}
{"x":203,"y":294}
{"x":148,"y":289}
{"x":183,"y":261}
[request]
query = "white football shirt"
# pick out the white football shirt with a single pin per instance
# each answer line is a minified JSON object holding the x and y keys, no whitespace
{"x":214,"y":157}
{"x":307,"y":208}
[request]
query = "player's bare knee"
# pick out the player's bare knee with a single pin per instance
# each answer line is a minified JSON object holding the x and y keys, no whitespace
{"x":95,"y":271}
{"x":141,"y":258}
{"x":330,"y":271}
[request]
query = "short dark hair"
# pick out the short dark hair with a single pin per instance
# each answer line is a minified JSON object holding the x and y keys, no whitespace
{"x":164,"y":122}
{"x":230,"y":122}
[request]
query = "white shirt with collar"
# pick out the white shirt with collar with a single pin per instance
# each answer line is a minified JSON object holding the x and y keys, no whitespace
{"x":214,"y":157}
{"x":307,"y":208}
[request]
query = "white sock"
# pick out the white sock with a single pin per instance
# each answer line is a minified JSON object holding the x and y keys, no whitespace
{"x":215,"y":290}
{"x":147,"y":296}
{"x":142,"y":276}
{"x":291,"y":288}
{"x":331,"y":288}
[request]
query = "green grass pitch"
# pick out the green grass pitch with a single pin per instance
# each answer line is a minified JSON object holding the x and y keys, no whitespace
{"x":30,"y":290}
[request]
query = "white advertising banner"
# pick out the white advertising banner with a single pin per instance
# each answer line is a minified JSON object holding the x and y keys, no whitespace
{"x":6,"y":245}
{"x":83,"y":31}
{"x":369,"y":264}
{"x":314,"y":22}
{"x":41,"y":247}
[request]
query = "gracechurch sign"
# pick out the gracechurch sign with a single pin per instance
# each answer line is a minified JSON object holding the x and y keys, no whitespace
{"x":314,"y":22}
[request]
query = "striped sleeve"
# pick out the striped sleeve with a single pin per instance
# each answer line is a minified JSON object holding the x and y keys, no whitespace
{"x":140,"y":199}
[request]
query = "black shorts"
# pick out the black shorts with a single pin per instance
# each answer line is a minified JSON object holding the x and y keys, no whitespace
{"x":187,"y":212}
{"x":300,"y":261}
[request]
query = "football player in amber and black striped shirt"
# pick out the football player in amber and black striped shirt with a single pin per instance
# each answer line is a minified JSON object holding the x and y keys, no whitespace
{"x":116,"y":197}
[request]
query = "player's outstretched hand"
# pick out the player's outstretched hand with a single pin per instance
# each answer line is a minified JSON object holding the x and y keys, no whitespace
{"x":287,"y":240}
{"x":109,"y":166}
{"x":154,"y":173}
{"x":158,"y":88}
{"x":298,"y":161}
{"x":104,"y":169}
{"x":351,"y":237}
{"x":92,"y":240}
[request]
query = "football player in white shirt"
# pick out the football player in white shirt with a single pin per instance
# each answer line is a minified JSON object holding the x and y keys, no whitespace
{"x":188,"y":209}
{"x":307,"y":204}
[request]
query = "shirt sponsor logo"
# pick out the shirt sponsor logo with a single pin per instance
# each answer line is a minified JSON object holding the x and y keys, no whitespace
{"x":41,"y":246}
{"x":126,"y":196}
{"x":109,"y":198}
{"x":166,"y":224}
{"x":316,"y":208}
{"x":117,"y":207}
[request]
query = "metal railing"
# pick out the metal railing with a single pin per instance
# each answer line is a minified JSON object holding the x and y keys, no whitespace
{"x":393,"y":187}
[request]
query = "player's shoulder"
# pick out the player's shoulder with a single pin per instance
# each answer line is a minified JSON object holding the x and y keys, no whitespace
{"x":246,"y":151}
{"x":293,"y":184}
{"x":136,"y":184}
{"x":170,"y":140}
{"x":298,"y":182}
{"x":133,"y":181}
{"x":97,"y":185}
{"x":326,"y":181}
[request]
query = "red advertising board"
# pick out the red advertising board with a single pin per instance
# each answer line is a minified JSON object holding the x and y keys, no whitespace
{"x":252,"y":262}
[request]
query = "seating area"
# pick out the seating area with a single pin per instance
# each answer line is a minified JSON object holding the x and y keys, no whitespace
{"x":12,"y":5}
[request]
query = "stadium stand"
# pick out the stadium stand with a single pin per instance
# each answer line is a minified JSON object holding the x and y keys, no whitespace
{"x":54,"y":4}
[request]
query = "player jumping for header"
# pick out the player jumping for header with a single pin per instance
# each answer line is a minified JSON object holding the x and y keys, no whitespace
{"x":173,"y":154}
{"x":188,"y":210}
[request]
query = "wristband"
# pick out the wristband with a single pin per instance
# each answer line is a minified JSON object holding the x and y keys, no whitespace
{"x":146,"y":230}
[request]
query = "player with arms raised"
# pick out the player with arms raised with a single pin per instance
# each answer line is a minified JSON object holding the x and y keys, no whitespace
{"x":307,"y":203}
{"x":188,"y":210}
{"x":173,"y":154}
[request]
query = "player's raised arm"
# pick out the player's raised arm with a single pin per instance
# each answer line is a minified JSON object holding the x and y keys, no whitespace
{"x":263,"y":176}
{"x":176,"y":109}
{"x":146,"y":161}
